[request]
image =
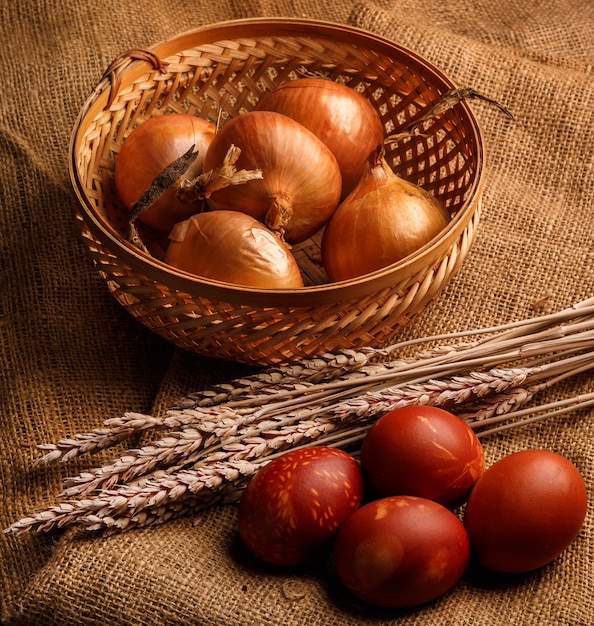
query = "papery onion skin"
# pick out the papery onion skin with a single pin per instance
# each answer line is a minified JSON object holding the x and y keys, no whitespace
{"x":300,"y":174}
{"x":147,"y":151}
{"x":234,"y":248}
{"x":382,"y":221}
{"x":341,"y":117}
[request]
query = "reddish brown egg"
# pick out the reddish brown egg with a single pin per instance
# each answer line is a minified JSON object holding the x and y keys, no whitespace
{"x":401,"y":551}
{"x":292,"y":508}
{"x":422,"y":451}
{"x":525,"y":510}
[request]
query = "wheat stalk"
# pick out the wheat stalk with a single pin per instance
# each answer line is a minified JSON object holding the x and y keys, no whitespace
{"x":164,"y":493}
{"x":345,"y":368}
{"x":114,"y":430}
{"x":216,"y":439}
{"x":169,"y":494}
{"x":223,"y":427}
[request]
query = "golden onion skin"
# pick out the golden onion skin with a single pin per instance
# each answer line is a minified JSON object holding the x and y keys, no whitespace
{"x":383,"y":220}
{"x":300,"y":174}
{"x":147,"y":151}
{"x":337,"y":114}
{"x":233,"y":247}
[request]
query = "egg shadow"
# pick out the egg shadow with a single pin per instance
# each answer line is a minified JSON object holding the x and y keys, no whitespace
{"x":323,"y":571}
{"x":481,"y":577}
{"x":248,"y":561}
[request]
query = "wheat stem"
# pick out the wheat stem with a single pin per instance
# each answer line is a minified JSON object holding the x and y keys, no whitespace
{"x":542,"y":412}
{"x":346,"y":369}
{"x":217,"y":438}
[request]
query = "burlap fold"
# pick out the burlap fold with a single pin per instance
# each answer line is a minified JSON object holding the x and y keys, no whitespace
{"x":71,"y":357}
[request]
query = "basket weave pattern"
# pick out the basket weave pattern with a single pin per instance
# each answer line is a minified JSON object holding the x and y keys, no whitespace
{"x":218,"y":73}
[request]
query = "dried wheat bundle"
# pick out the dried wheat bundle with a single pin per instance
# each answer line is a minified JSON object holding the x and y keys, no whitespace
{"x":214,"y":440}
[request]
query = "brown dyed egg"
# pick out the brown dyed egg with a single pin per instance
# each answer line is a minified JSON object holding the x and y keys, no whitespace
{"x":525,"y":510}
{"x":292,"y":508}
{"x":423,"y":451}
{"x":401,"y":551}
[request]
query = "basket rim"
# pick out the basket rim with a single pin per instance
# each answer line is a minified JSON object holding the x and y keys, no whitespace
{"x":308,"y":296}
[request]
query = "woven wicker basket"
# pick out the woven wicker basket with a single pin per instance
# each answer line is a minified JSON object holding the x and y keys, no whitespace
{"x":228,"y":66}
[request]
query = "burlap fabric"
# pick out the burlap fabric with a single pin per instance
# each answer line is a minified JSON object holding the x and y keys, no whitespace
{"x":71,"y":357}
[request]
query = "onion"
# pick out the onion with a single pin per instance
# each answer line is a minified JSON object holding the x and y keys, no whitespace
{"x":301,"y":181}
{"x":147,"y":151}
{"x":383,"y":220}
{"x":232,"y":247}
{"x":337,"y":114}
